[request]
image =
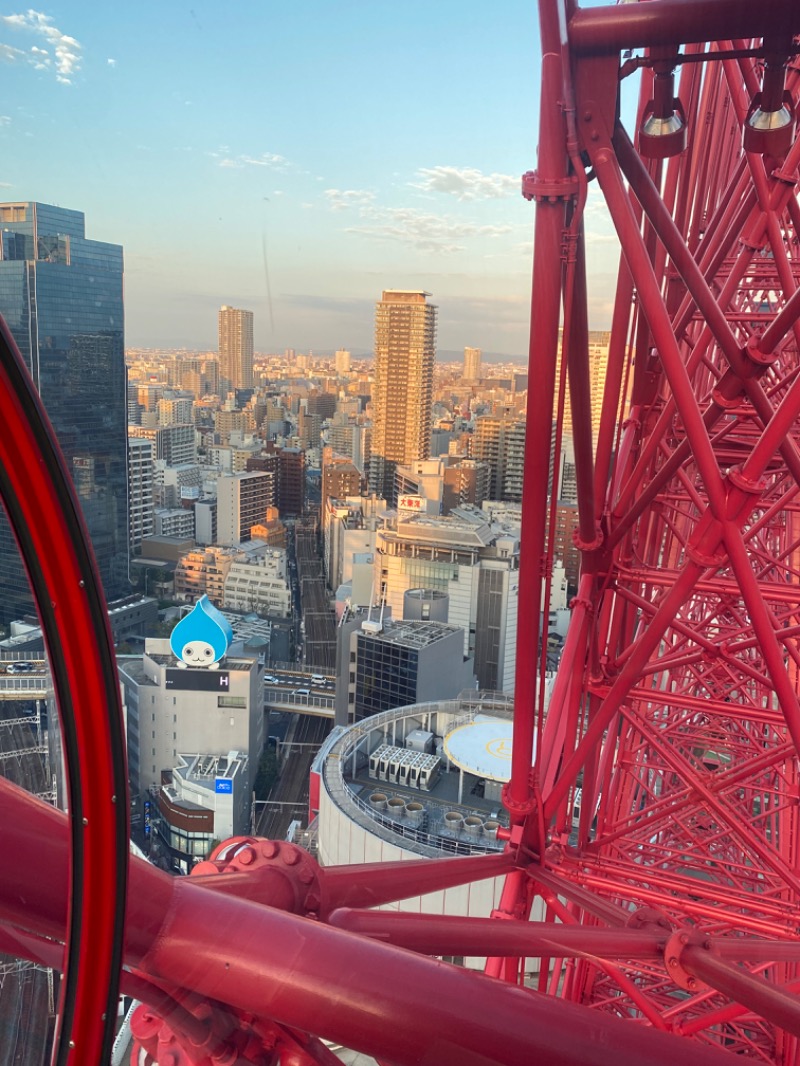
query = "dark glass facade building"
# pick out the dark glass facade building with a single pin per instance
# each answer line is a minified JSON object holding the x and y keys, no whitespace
{"x":386,"y":675}
{"x":61,"y":296}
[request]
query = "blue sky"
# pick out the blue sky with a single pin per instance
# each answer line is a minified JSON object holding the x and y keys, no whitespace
{"x":294,"y":159}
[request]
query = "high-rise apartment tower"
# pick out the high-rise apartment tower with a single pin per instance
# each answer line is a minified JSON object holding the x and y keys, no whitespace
{"x":402,"y":394}
{"x":235,"y":348}
{"x":61,"y":296}
{"x":342,"y":362}
{"x":472,"y":364}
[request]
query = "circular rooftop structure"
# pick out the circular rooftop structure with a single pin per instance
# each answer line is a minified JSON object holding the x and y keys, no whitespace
{"x":482,"y":747}
{"x":386,"y":789}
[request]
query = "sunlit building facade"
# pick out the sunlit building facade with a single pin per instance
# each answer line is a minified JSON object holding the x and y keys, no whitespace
{"x":472,"y":364}
{"x":402,"y":395}
{"x":235,"y":348}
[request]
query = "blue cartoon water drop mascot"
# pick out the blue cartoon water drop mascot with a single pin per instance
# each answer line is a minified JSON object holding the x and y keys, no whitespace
{"x":202,"y":637}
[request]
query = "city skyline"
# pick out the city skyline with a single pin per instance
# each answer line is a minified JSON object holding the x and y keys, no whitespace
{"x":293,"y":161}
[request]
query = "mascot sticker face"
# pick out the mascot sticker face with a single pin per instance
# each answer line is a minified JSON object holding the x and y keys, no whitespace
{"x":202,"y":637}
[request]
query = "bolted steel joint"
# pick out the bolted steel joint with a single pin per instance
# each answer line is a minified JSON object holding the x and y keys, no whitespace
{"x":682,"y":977}
{"x":536,"y":188}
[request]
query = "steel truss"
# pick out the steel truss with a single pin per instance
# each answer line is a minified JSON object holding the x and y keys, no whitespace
{"x":672,"y":911}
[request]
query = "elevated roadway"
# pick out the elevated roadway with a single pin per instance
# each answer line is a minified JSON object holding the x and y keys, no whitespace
{"x":30,"y":684}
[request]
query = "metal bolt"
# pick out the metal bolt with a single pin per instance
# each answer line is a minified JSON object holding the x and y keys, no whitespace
{"x":673,"y":961}
{"x":691,"y":983}
{"x":85,"y":821}
{"x":81,"y":584}
{"x":72,"y":1043}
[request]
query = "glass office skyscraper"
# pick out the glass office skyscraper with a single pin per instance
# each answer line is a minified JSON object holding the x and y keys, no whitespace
{"x":61,"y":296}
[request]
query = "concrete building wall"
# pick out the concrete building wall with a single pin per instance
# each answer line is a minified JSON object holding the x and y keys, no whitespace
{"x":205,"y":521}
{"x":439,"y":675}
{"x":342,"y":842}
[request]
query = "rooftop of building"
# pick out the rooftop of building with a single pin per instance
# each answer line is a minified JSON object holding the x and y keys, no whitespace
{"x":403,"y":292}
{"x":465,"y":526}
{"x":228,"y":662}
{"x":132,"y":666}
{"x":459,"y":813}
{"x":204,"y":769}
{"x":414,"y":633}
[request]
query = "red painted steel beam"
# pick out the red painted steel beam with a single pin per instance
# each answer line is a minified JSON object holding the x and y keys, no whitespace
{"x":305,"y":975}
{"x":552,"y":191}
{"x":603,"y":30}
{"x":783,"y":322}
{"x":436,"y":934}
{"x":759,"y":996}
{"x":273,"y":881}
{"x":373,"y":884}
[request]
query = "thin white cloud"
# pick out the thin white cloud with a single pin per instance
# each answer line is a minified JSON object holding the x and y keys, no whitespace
{"x":10,"y":54}
{"x":423,"y":231}
{"x":341,"y":199}
{"x":466,"y":183}
{"x":111,"y":62}
{"x":5,"y":120}
{"x":266,"y":159}
{"x":593,"y":237}
{"x":62,"y":55}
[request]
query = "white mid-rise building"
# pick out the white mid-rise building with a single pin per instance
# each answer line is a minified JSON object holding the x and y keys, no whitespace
{"x":172,"y":710}
{"x":349,"y":528}
{"x":476,"y":564}
{"x":171,"y":480}
{"x":174,"y":522}
{"x":259,"y":584}
{"x":140,"y":490}
{"x":201,"y":800}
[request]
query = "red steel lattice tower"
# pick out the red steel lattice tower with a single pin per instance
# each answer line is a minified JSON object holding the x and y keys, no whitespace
{"x":671,"y":907}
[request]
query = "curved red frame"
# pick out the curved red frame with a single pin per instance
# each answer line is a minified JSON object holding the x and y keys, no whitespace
{"x":46,"y":520}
